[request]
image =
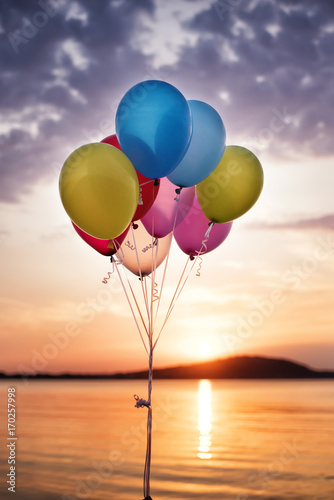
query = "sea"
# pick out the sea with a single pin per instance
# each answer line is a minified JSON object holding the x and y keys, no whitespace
{"x":219,"y":439}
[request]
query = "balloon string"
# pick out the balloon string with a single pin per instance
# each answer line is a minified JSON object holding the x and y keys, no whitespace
{"x":203,"y":248}
{"x":147,"y":182}
{"x":140,"y":403}
{"x":177,"y":199}
{"x":144,"y":291}
{"x":138,"y":308}
{"x":131,"y":308}
{"x":110,"y":273}
{"x":198,"y":272}
{"x":118,"y":247}
{"x":105,"y":280}
{"x":147,"y":467}
{"x":155,"y":249}
{"x":180,"y":287}
{"x":178,"y":295}
{"x":134,"y":297}
{"x":155,"y":291}
{"x":172,"y":303}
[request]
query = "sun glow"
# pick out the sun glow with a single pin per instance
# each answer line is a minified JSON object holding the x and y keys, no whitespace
{"x":204,"y":350}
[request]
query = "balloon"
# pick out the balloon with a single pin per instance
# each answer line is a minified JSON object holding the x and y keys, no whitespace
{"x":206,"y":146}
{"x":147,"y":246}
{"x":154,"y":126}
{"x":148,"y":189}
{"x":233,"y":187}
{"x":99,"y":190}
{"x":104,"y":247}
{"x":190,"y":233}
{"x":112,"y":140}
{"x":160,"y":219}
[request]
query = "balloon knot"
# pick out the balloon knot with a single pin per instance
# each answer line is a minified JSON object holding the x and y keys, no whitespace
{"x":178,"y":190}
{"x":192,"y":257}
{"x":135,"y":226}
{"x":156,"y":182}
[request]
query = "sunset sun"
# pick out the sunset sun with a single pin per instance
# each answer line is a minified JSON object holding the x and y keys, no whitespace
{"x":204,"y":350}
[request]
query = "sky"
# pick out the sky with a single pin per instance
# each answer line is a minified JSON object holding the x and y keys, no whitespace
{"x":267,"y":68}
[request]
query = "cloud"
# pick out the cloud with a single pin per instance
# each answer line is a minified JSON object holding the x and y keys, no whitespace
{"x":61,"y":80}
{"x":267,"y":67}
{"x":326,"y":222}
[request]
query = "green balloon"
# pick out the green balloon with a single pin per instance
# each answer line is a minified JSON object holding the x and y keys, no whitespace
{"x":233,"y":187}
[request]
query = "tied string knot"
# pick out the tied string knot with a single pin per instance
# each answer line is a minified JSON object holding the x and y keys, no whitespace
{"x":178,"y":192}
{"x":141,"y":402}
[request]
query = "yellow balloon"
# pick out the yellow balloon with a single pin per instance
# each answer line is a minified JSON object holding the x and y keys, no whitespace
{"x":99,"y":189}
{"x":233,"y":187}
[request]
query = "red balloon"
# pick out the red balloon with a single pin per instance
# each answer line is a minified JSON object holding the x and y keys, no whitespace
{"x":112,"y":140}
{"x":104,"y":247}
{"x":147,"y":189}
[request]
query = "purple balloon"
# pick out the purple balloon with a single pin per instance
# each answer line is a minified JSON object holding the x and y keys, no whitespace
{"x":190,"y":233}
{"x":159,"y":220}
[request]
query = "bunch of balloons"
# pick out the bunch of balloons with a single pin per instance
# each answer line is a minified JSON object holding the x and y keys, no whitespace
{"x":166,"y":173}
{"x":163,"y":143}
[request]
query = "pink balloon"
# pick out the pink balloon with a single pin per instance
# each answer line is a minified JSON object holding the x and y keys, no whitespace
{"x":140,"y":246}
{"x":104,"y":247}
{"x":159,"y":220}
{"x":190,"y":233}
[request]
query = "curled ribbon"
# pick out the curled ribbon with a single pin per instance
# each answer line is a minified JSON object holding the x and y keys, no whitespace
{"x":198,"y":272}
{"x":105,"y":280}
{"x":204,"y":248}
{"x":155,"y":292}
{"x":114,"y":263}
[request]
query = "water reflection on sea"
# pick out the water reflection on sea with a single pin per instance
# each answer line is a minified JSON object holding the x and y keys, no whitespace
{"x":204,"y":419}
{"x":237,"y":440}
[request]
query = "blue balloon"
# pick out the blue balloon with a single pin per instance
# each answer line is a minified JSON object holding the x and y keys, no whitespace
{"x":153,"y":127}
{"x":206,"y":146}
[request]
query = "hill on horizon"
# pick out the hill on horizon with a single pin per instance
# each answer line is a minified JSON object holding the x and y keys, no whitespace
{"x":233,"y":367}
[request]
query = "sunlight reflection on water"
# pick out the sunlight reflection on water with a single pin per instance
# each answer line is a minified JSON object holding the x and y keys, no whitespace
{"x":204,"y":419}
{"x":218,"y":439}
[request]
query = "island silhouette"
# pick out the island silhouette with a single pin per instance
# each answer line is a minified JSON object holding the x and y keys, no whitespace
{"x":234,"y":367}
